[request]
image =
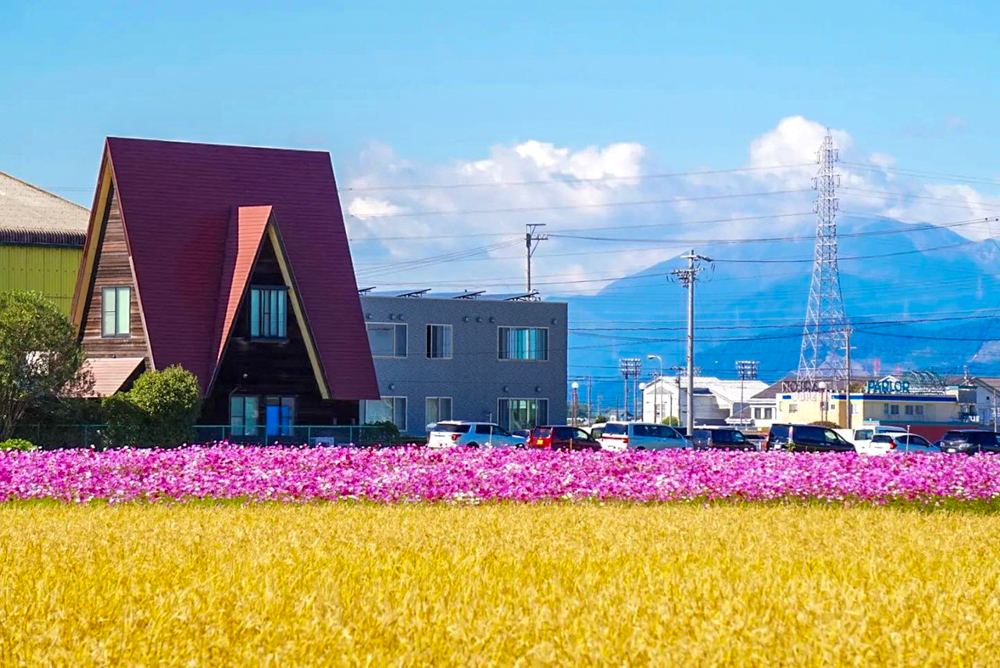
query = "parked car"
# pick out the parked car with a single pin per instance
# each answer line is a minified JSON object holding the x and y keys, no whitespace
{"x":638,"y":436}
{"x":891,"y":443}
{"x":862,"y":437}
{"x":756,"y":440}
{"x":970,"y":441}
{"x":806,"y":438}
{"x":561,"y":437}
{"x":454,"y":433}
{"x":720,"y":438}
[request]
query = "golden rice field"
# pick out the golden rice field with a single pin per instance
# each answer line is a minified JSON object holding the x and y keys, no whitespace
{"x":523,"y":585}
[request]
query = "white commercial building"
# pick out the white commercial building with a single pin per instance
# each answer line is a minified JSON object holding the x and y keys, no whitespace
{"x":715,"y":399}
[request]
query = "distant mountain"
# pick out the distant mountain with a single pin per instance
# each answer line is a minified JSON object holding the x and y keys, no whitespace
{"x":905,"y":288}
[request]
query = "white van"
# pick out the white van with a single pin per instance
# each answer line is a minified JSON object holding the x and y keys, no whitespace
{"x":638,"y":436}
{"x":862,"y":437}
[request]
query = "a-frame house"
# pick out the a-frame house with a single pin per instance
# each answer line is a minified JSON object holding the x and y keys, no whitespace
{"x":232,"y":262}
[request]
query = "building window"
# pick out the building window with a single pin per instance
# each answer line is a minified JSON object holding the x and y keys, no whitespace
{"x":243,"y":415}
{"x":757,"y":414}
{"x":885,"y":409}
{"x":523,"y":343}
{"x":116,"y":311}
{"x":793,"y":408}
{"x":439,"y":341}
{"x":523,"y":413}
{"x":386,"y":339}
{"x":268,"y":313}
{"x":909,"y":409}
{"x":894,"y":409}
{"x":919,"y":410}
{"x":279,"y":416}
{"x":386,"y":409}
{"x":437,"y":409}
{"x":768,"y":413}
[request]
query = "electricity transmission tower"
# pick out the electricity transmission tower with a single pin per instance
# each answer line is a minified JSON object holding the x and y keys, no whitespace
{"x":824,"y":336}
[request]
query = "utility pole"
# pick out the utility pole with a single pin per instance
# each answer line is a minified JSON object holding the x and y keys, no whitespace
{"x":590,"y":387}
{"x":656,"y":388}
{"x":531,"y":240}
{"x":688,"y":277}
{"x":630,"y":367}
{"x":747,"y":370}
{"x":850,"y":406}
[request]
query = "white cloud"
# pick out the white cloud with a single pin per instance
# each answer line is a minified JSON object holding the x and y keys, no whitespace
{"x":486,"y":202}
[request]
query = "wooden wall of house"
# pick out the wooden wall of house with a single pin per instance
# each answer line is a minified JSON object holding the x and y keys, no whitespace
{"x":264,"y":368}
{"x":112,"y":269}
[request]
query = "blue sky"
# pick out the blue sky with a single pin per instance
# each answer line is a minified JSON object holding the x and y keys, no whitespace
{"x":694,"y":83}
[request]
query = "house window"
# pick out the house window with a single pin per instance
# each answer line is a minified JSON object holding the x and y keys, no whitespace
{"x":437,"y":409}
{"x":909,"y":409}
{"x":885,"y":409}
{"x":894,"y":409}
{"x":523,"y":413}
{"x":439,"y":341}
{"x":768,"y":413}
{"x":919,"y":410}
{"x":793,"y":408}
{"x":523,"y":343}
{"x":116,"y":311}
{"x":386,"y":409}
{"x":279,"y":416}
{"x":268,"y":313}
{"x":243,"y":415}
{"x":387,"y":339}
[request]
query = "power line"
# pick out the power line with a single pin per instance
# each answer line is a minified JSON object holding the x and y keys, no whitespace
{"x":568,"y":180}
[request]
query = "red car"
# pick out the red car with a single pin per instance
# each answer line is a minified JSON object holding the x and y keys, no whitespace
{"x":560,"y":437}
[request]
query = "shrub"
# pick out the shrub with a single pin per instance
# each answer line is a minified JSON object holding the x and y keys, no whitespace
{"x":826,"y":423}
{"x":18,"y":444}
{"x":159,"y":411}
{"x":384,"y":432}
{"x":600,"y":418}
{"x":671,"y":421}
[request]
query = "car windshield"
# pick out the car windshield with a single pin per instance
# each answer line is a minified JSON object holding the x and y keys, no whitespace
{"x":451,"y":428}
{"x":616,"y":429}
{"x":882,"y":438}
{"x":863,"y":435}
{"x":955,"y":436}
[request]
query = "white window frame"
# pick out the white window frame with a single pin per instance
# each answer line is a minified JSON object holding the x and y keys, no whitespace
{"x":115,"y":291}
{"x":501,"y":418}
{"x":500,"y":328}
{"x":392,"y":410}
{"x":451,"y":409}
{"x":395,"y":342}
{"x":427,"y":341}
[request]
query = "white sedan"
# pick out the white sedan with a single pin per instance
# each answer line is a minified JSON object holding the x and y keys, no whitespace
{"x":452,"y":434}
{"x":884,"y":444}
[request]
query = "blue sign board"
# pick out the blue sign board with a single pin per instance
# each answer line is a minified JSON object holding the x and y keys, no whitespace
{"x":888,"y":387}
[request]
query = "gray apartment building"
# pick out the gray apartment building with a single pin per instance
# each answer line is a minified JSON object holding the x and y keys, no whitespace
{"x":467,"y":356}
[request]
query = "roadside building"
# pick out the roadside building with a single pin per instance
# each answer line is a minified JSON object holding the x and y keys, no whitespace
{"x":466,"y":356}
{"x":233,"y":263}
{"x":41,"y":239}
{"x":927,"y":405}
{"x":715,"y":399}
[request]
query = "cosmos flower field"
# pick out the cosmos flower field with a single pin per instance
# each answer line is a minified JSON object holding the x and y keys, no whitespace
{"x":393,"y":475}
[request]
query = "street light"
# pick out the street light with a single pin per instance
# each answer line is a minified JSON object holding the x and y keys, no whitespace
{"x":642,"y":393}
{"x":656,"y":390}
{"x":575,"y":386}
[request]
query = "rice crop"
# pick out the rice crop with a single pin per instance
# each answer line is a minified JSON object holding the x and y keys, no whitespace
{"x":484,"y":475}
{"x":501,"y":584}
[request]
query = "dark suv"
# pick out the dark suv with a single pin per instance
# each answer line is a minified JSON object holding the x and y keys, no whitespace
{"x":806,"y":438}
{"x":720,"y":439}
{"x":970,"y":441}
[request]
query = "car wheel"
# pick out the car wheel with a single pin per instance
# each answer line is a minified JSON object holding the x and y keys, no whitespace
{"x":473,"y":445}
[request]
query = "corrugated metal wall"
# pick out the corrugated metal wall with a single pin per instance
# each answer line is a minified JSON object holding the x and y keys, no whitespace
{"x":49,"y":270}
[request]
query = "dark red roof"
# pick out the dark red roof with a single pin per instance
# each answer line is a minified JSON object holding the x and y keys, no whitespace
{"x":178,"y":201}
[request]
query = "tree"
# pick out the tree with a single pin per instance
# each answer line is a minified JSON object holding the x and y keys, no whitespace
{"x":39,"y":356}
{"x":159,"y":411}
{"x":671,"y":421}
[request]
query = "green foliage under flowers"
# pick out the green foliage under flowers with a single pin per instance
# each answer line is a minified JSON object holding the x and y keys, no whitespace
{"x":17,"y":444}
{"x":159,"y":411}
